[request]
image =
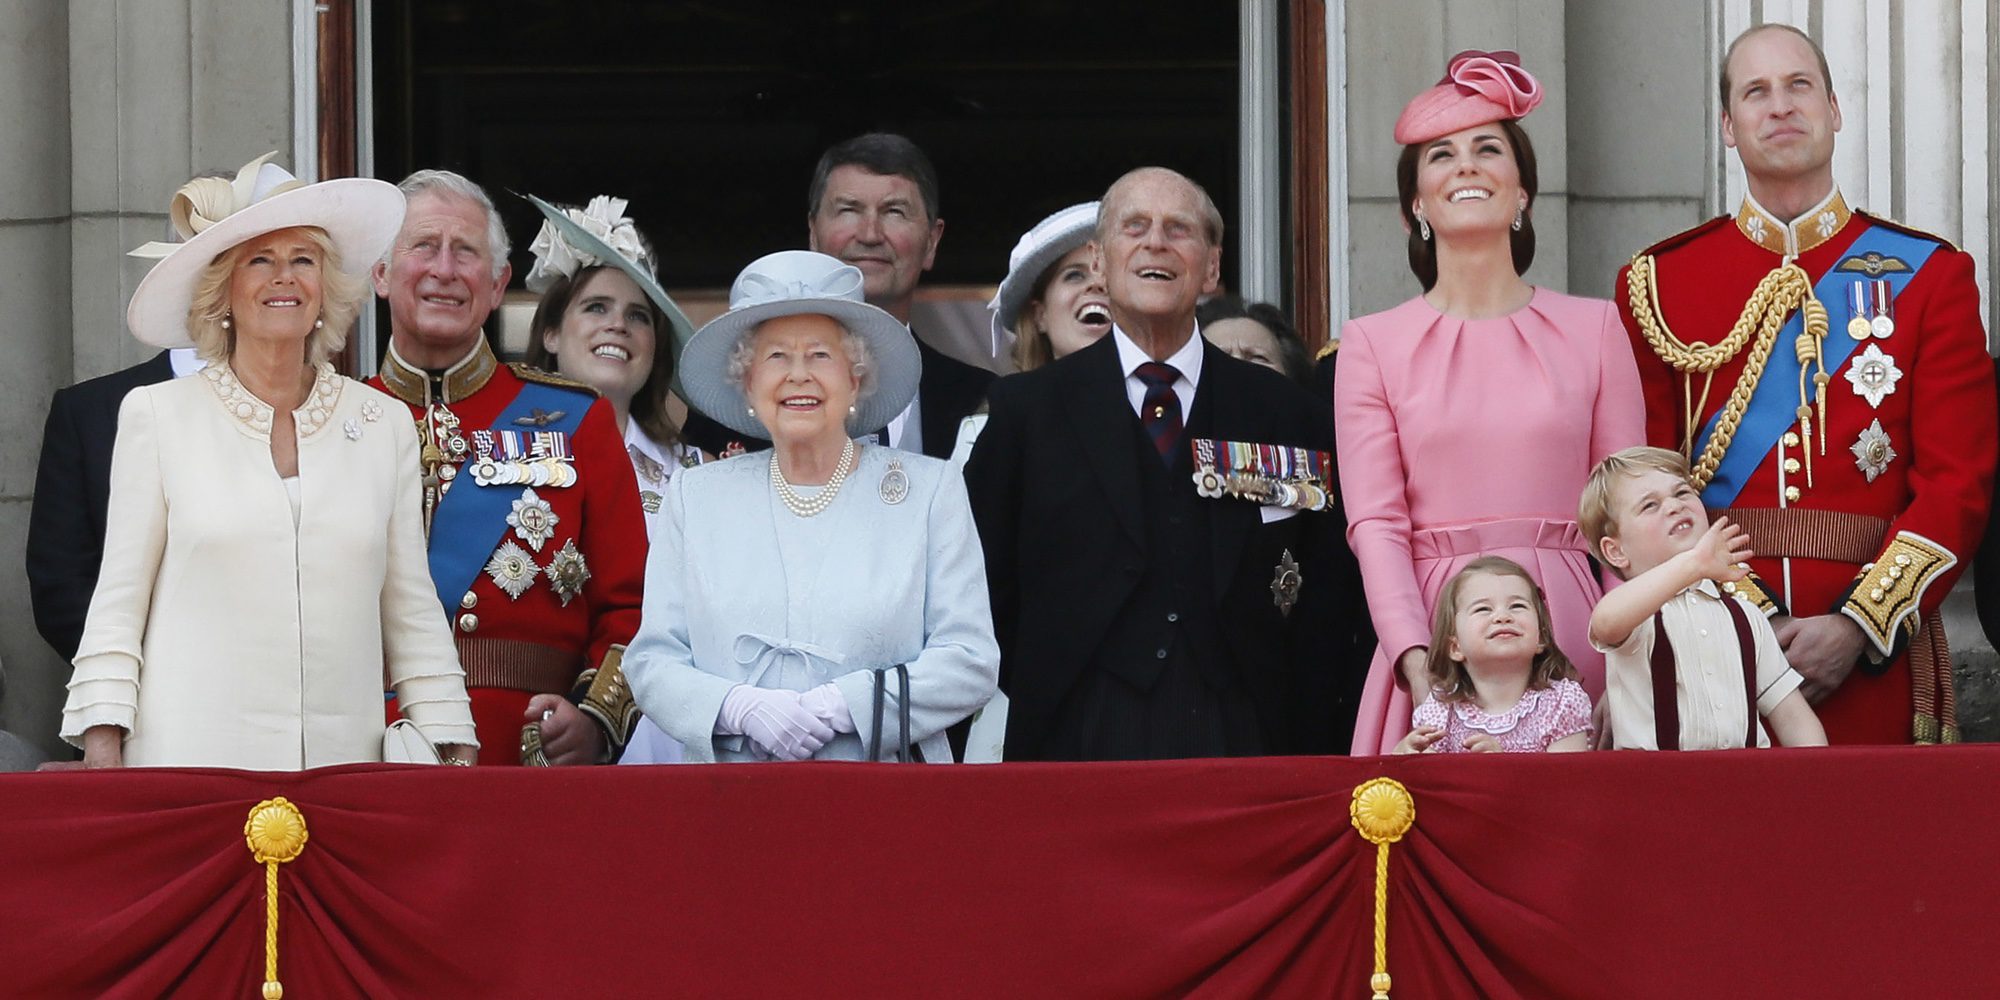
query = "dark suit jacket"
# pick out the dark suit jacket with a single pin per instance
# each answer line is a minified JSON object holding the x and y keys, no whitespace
{"x":1986,"y":567}
{"x":1055,"y":492}
{"x":949,"y":391}
{"x":72,"y":487}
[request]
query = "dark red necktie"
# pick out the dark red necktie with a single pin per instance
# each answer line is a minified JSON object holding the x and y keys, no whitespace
{"x":1161,"y":409}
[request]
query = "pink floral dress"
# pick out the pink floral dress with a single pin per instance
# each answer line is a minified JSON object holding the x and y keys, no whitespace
{"x":1535,"y":722}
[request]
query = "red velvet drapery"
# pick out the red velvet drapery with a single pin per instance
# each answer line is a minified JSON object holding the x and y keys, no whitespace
{"x":1785,"y":873}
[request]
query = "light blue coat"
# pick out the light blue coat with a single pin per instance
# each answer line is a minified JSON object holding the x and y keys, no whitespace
{"x":741,"y":590}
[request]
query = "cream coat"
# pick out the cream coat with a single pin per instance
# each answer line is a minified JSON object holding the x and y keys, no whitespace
{"x":221,"y":634}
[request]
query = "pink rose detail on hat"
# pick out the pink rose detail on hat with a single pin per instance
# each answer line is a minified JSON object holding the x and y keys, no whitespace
{"x":1478,"y":88}
{"x":212,"y":214}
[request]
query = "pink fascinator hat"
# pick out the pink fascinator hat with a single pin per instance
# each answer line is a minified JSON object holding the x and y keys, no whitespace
{"x":1478,"y":87}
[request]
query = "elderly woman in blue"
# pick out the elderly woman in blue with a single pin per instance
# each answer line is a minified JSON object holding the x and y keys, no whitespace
{"x":782,"y":583}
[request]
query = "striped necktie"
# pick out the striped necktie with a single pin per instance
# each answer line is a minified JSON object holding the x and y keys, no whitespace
{"x":1161,"y":409}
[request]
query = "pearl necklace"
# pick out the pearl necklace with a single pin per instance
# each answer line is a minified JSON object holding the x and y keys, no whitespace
{"x":808,"y":506}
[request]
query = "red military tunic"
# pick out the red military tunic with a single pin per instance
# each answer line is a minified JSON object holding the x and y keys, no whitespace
{"x":1928,"y":439}
{"x":518,"y":632}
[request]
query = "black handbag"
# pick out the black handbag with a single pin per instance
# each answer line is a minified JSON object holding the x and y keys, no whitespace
{"x":905,"y":753}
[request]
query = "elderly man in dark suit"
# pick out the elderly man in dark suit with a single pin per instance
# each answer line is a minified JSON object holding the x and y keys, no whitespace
{"x":873,"y":203}
{"x":72,"y":486}
{"x":1167,"y":563}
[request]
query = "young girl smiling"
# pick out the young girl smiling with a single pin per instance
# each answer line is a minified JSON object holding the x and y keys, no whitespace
{"x":1498,"y":682}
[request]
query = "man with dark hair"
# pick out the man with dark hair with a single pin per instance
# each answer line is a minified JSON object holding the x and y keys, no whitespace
{"x":1826,"y":373}
{"x":1168,"y":566}
{"x":873,"y":203}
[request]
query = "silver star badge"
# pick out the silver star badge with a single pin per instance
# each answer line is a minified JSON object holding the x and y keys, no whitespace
{"x":512,"y":569}
{"x":1872,"y":453}
{"x":533,"y":520}
{"x":1874,"y":375}
{"x":567,"y":572}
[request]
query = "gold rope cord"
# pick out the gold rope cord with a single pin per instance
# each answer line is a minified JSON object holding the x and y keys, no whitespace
{"x":276,"y":834}
{"x":1780,"y":291}
{"x":1382,"y":811}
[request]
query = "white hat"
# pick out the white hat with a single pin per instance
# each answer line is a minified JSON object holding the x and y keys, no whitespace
{"x":793,"y":283}
{"x":212,"y":215}
{"x":1038,"y":249}
{"x":599,"y":234}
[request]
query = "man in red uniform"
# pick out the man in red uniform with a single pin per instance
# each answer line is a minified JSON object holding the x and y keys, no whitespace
{"x":537,"y":540}
{"x":1826,"y":372}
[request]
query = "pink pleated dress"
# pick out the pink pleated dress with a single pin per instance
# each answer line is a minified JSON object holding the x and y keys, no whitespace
{"x":1462,"y":438}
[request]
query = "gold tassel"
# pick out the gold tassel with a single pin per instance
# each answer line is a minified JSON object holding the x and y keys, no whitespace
{"x":276,"y":833}
{"x":1382,"y":811}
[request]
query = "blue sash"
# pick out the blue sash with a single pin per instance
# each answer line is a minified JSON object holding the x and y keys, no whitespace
{"x":1774,"y":405}
{"x":471,"y":517}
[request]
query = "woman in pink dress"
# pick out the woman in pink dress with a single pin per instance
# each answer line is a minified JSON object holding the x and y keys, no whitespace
{"x":1470,"y":416}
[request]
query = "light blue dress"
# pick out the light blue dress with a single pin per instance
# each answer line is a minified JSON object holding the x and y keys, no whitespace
{"x":741,"y":590}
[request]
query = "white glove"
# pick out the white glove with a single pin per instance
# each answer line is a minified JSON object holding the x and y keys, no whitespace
{"x":774,"y":721}
{"x":829,"y":706}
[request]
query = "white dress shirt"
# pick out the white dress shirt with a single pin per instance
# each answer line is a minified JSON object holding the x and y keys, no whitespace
{"x":1187,"y":361}
{"x":1709,"y":674}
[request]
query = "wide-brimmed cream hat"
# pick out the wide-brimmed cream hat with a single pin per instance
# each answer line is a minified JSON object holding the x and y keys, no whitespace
{"x":792,"y":283}
{"x":1038,"y":249}
{"x":212,"y":214}
{"x":599,"y":234}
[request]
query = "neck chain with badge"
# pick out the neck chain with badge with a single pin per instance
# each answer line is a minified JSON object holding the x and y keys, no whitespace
{"x":444,"y":444}
{"x":809,"y":506}
{"x":1785,"y":288}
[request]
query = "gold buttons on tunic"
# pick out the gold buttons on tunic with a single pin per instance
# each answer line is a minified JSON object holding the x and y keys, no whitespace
{"x":1791,"y":439}
{"x":469,"y":601}
{"x":1791,"y":465}
{"x":1792,"y":494}
{"x":468,"y":623}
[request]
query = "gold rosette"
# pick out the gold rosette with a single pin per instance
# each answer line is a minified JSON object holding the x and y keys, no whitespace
{"x":276,"y":834}
{"x":1382,"y":811}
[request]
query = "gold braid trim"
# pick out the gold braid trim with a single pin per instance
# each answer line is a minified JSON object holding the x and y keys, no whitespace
{"x":1776,"y":296}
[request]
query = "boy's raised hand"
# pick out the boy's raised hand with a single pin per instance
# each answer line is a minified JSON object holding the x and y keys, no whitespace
{"x":1721,"y":553}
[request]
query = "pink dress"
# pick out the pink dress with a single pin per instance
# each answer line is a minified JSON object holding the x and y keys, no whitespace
{"x":1463,"y":438}
{"x":1534,"y":723}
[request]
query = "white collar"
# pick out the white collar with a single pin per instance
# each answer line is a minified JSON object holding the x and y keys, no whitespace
{"x":184,"y":361}
{"x":1187,"y":360}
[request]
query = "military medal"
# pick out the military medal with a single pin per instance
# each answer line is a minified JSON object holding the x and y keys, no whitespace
{"x":567,"y":572}
{"x":895,"y":484}
{"x":1858,"y":326}
{"x":533,"y":520}
{"x":1884,"y":321}
{"x":1207,"y":481}
{"x":1872,"y":453}
{"x":512,"y":570}
{"x":1874,"y":375}
{"x":1276,"y":475}
{"x":1285,"y":583}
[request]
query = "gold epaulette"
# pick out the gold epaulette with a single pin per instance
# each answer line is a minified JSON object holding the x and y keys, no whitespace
{"x":1888,"y":591}
{"x":529,"y":373}
{"x":1327,"y":350}
{"x":1907,"y":230}
{"x":1753,"y":590}
{"x":608,"y":701}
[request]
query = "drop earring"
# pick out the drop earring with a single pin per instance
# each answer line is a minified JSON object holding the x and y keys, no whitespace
{"x":1424,"y":228}
{"x":225,"y":321}
{"x":319,"y":324}
{"x":852,"y":412}
{"x":1518,"y":213}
